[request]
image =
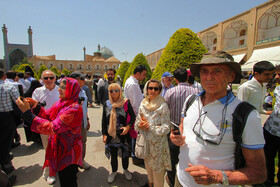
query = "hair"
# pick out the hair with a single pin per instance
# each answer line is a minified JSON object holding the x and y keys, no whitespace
{"x":114,"y":86}
{"x":191,"y":79}
{"x":156,"y":81}
{"x":1,"y":74}
{"x":140,"y":69}
{"x":34,"y":84}
{"x":20,"y":75}
{"x":28,"y":73}
{"x":49,"y":72}
{"x":11,"y":74}
{"x":62,"y":75}
{"x":111,"y":69}
{"x":181,"y":74}
{"x":262,"y":66}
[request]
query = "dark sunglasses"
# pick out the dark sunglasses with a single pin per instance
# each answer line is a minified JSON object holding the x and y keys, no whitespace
{"x":46,"y":78}
{"x":114,"y":90}
{"x":153,"y":88}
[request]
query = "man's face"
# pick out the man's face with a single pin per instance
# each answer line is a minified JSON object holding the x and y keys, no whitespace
{"x":142,"y":75}
{"x":265,"y":76}
{"x":167,"y":81}
{"x":277,"y":75}
{"x":110,"y":76}
{"x":81,"y":81}
{"x":215,"y":78}
{"x":49,"y":80}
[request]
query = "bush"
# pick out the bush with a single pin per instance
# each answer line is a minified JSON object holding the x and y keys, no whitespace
{"x":139,"y":59}
{"x":42,"y":68}
{"x":183,"y":49}
{"x":22,"y":68}
{"x":122,"y":70}
{"x":55,"y":70}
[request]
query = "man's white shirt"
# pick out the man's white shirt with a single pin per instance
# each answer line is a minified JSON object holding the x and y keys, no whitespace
{"x":43,"y":94}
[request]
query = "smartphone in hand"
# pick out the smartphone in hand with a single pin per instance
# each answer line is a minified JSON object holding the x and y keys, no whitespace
{"x":175,"y":129}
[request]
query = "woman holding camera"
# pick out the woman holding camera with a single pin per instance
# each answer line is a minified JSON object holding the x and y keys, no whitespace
{"x":154,"y":120}
{"x":117,"y":119}
{"x":63,"y":123}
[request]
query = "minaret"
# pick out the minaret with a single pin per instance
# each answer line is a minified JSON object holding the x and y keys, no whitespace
{"x":98,"y":48}
{"x":30,"y":50}
{"x":5,"y":41}
{"x":84,"y":53}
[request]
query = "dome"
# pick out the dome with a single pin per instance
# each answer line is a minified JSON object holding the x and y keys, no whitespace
{"x":112,"y":59}
{"x":106,"y":52}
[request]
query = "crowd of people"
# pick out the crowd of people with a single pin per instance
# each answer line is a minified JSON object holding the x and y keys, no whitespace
{"x":188,"y":127}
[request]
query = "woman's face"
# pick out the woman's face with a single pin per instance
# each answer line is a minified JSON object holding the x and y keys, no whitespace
{"x":61,"y":90}
{"x":115,"y":93}
{"x":153,"y":90}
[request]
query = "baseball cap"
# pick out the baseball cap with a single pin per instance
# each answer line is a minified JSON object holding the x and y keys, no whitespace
{"x":166,"y":74}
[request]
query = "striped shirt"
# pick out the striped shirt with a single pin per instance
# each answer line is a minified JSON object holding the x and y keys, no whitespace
{"x":175,"y":98}
{"x":8,"y":94}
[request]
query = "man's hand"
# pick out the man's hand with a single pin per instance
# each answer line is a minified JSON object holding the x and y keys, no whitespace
{"x":125,"y":130}
{"x":22,"y":104}
{"x":203,"y":175}
{"x":178,"y":139}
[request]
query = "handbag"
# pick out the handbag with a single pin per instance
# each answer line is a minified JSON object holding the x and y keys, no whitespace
{"x":141,"y":147}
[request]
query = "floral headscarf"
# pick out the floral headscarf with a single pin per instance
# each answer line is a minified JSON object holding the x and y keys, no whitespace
{"x":72,"y":91}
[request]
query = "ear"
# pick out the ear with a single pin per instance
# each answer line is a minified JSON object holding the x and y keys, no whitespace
{"x":232,"y":76}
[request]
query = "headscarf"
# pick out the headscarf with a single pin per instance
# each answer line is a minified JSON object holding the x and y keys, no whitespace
{"x":119,"y":103}
{"x":72,"y":91}
{"x":152,"y":104}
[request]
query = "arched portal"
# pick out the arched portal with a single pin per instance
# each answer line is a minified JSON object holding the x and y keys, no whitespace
{"x":16,"y":56}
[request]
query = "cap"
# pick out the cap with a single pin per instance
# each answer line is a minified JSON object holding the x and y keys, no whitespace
{"x":218,"y":57}
{"x":77,"y":74}
{"x":166,"y":74}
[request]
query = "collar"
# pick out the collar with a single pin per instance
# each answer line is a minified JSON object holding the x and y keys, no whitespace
{"x":256,"y":82}
{"x":224,"y":99}
{"x":135,"y":79}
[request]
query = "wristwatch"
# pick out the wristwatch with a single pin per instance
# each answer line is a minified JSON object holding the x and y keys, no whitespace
{"x":225,"y":179}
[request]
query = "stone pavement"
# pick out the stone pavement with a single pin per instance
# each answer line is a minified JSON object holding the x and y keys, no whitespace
{"x":29,"y":158}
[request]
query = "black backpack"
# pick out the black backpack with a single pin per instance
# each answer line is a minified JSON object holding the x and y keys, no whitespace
{"x":240,"y":116}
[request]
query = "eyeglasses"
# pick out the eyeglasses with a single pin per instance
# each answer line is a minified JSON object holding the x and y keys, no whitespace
{"x":153,"y":88}
{"x":62,"y":87}
{"x":208,"y":132}
{"x":46,"y":78}
{"x":114,"y":90}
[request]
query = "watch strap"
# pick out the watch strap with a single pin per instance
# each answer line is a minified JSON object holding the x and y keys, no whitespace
{"x":225,"y":178}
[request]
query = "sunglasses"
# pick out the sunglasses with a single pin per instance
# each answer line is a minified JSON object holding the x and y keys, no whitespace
{"x":114,"y":90}
{"x":153,"y":88}
{"x":62,"y":87}
{"x":46,"y":78}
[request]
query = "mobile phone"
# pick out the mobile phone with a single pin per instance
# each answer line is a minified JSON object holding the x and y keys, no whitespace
{"x":20,"y":90}
{"x":175,"y":129}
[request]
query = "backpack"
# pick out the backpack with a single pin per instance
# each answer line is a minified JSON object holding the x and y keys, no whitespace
{"x":240,"y":116}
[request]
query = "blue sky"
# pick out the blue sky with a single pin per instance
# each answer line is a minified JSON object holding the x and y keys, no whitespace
{"x":127,"y":27}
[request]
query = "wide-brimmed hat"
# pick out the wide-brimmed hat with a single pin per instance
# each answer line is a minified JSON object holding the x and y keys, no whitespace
{"x":218,"y":57}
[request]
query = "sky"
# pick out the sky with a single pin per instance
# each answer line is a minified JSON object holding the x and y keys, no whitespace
{"x":127,"y":27}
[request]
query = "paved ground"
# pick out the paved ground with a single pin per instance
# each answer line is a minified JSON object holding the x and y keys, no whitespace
{"x":29,"y":158}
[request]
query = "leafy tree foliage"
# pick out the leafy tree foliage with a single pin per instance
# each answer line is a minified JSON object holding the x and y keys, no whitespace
{"x":42,"y":68}
{"x":183,"y":49}
{"x":66,"y":72}
{"x":55,"y":70}
{"x":122,"y":70}
{"x":22,"y":67}
{"x":139,"y":59}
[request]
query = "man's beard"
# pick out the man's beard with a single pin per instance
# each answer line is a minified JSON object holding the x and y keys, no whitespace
{"x":110,"y":79}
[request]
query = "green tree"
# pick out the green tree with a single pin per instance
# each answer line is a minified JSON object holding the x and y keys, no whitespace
{"x":66,"y":72}
{"x":122,"y":70}
{"x":183,"y":49}
{"x":42,"y":68}
{"x":55,"y":70}
{"x":139,"y":59}
{"x":24,"y":61}
{"x":22,"y":67}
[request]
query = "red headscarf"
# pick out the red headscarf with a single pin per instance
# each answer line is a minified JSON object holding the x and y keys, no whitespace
{"x":72,"y":91}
